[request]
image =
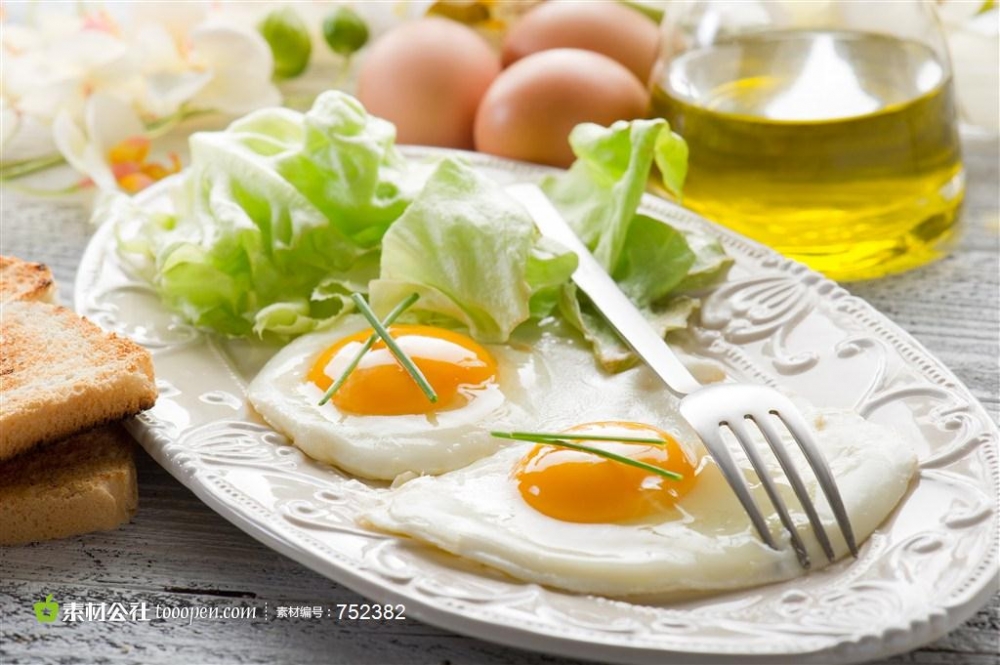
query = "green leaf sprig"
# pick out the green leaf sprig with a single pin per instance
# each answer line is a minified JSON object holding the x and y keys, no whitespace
{"x":562,"y":440}
{"x":380,"y":329}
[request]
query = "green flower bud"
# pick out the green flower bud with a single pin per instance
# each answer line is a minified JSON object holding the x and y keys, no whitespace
{"x":288,"y":37}
{"x":344,"y":31}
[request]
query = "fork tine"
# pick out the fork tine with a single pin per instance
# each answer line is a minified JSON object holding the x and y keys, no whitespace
{"x":795,"y":480}
{"x":734,"y":476}
{"x":797,"y":425}
{"x":756,"y":461}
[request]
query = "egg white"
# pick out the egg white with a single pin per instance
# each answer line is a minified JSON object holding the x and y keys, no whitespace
{"x":547,"y":379}
{"x":705,"y":544}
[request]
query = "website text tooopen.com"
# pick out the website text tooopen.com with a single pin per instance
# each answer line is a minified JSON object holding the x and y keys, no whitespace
{"x":191,"y":613}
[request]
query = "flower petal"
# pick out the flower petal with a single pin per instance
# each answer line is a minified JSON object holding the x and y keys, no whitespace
{"x":50,"y":97}
{"x":220,"y":47}
{"x":166,"y":92}
{"x":81,"y":154}
{"x":241,"y":64}
{"x":87,"y":49}
{"x":109,"y":121}
{"x":156,"y":49}
{"x":55,"y":25}
{"x":18,"y":38}
{"x":228,"y":94}
{"x":178,"y":18}
{"x":24,"y":73}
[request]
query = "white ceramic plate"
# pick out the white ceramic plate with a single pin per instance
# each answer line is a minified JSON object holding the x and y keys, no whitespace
{"x":927,"y":569}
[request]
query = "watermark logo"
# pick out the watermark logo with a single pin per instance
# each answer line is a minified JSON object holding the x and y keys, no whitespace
{"x":47,"y":611}
{"x":75,"y":611}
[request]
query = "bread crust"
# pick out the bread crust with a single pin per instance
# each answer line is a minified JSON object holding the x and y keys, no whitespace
{"x":61,"y":374}
{"x":23,"y":280}
{"x":81,"y":484}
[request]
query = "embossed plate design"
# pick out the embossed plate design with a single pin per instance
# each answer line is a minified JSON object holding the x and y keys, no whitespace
{"x":927,"y":569}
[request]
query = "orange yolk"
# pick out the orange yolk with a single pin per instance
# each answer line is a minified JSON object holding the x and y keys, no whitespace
{"x":581,"y":487}
{"x":379,"y":385}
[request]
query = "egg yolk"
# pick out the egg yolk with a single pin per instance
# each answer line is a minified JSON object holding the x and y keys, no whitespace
{"x":379,"y":385}
{"x":576,"y":486}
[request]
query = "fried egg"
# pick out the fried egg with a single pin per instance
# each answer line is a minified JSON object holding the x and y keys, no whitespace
{"x":379,"y":424}
{"x":578,"y":522}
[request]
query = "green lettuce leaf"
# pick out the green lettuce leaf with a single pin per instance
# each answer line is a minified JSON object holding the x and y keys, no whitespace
{"x":284,"y":215}
{"x":611,"y":352}
{"x":548,"y":271}
{"x":655,"y":258}
{"x":278,"y":219}
{"x":472,"y":253}
{"x":671,"y":157}
{"x":711,"y":263}
{"x":602,"y":189}
{"x":336,"y":173}
{"x":651,"y":261}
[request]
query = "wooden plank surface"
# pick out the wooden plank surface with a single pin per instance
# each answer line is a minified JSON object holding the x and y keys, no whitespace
{"x":177,"y":552}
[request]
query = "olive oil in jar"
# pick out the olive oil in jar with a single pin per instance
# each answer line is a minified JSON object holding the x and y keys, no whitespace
{"x":839,"y":149}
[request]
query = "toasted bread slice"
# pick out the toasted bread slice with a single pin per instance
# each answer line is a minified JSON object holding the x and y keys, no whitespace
{"x":21,"y":280}
{"x":60,"y":374}
{"x":77,"y":485}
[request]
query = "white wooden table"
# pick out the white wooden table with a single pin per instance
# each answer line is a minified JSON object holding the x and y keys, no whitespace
{"x":177,"y":552}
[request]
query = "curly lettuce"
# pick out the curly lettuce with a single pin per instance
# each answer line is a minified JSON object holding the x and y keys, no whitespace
{"x":278,"y":220}
{"x":473,"y":255}
{"x":284,"y":215}
{"x":653,"y":262}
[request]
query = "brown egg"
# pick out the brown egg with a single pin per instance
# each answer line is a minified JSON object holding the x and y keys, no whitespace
{"x":529,"y":110}
{"x":622,"y":34}
{"x":428,"y":77}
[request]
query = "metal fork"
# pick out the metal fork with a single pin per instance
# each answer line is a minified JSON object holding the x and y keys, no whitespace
{"x":709,"y":408}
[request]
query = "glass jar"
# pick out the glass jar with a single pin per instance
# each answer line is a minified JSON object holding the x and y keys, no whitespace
{"x":825,"y":130}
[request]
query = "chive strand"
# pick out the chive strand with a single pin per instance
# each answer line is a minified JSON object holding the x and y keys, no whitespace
{"x":670,"y":475}
{"x":401,"y":356}
{"x":571,"y":436}
{"x":366,"y":347}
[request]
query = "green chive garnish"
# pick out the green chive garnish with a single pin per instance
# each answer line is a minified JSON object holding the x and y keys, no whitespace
{"x":539,"y":437}
{"x":562,"y":443}
{"x":401,"y":356}
{"x":366,"y":347}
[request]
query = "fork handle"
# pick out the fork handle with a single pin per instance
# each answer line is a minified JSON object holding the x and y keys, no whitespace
{"x":591,"y":278}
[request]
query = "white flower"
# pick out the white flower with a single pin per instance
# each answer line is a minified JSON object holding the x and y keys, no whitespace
{"x":168,"y":79}
{"x":172,"y":57}
{"x":190,"y":57}
{"x":215,"y":67}
{"x":52,"y":67}
{"x":111,"y":147}
{"x":103,"y":79}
